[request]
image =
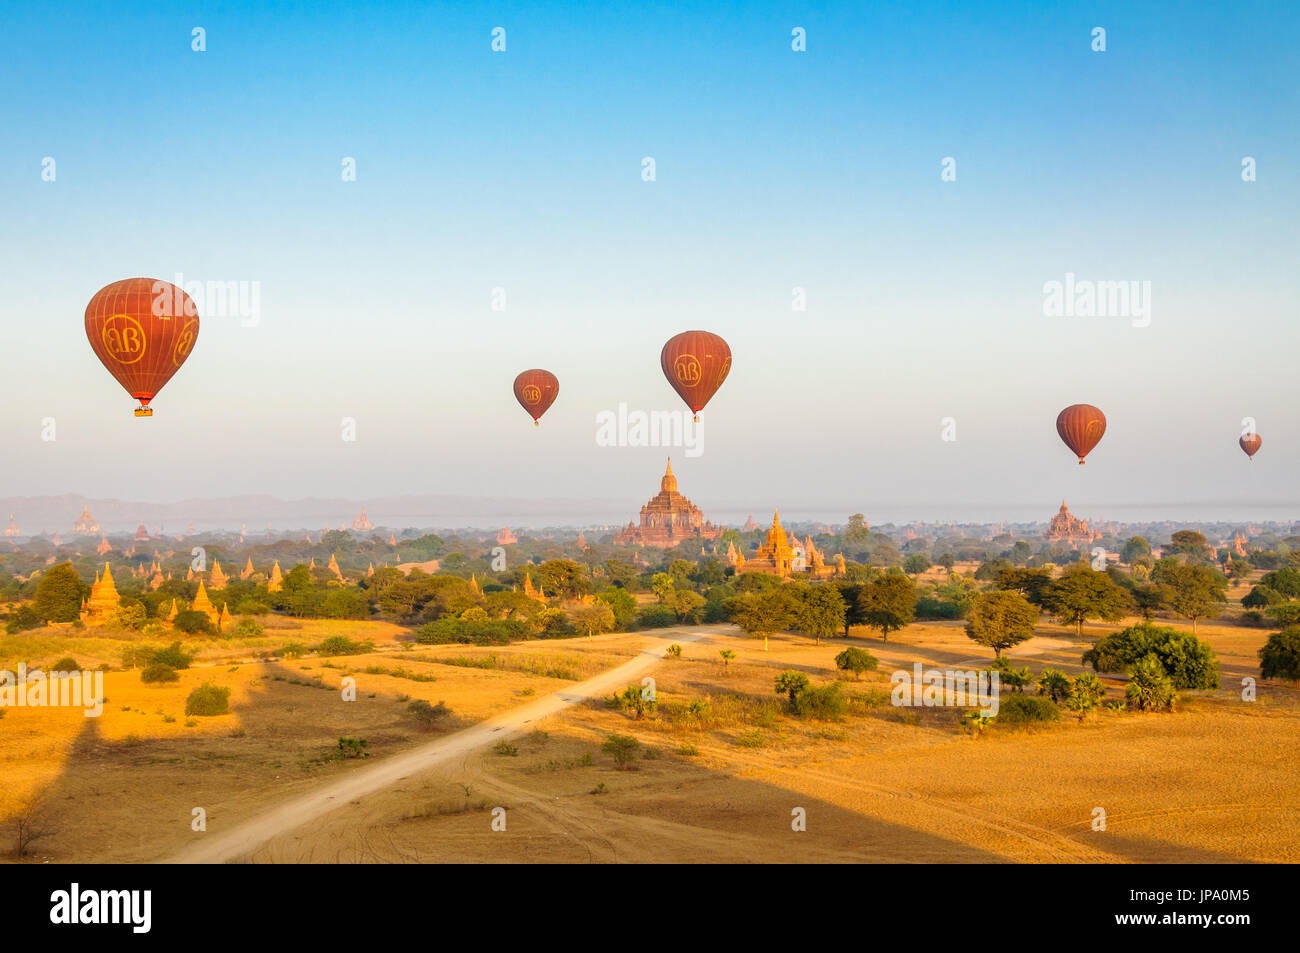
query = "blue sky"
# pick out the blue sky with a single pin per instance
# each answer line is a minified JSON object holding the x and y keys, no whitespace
{"x":775,"y":169}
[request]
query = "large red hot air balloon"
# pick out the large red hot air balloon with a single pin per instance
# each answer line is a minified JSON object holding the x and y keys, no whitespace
{"x":696,"y":363}
{"x":1081,"y":427}
{"x":142,"y":330}
{"x":1250,"y":443}
{"x":536,"y":390}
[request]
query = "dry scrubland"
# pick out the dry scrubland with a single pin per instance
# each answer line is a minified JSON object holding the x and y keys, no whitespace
{"x":1215,"y":781}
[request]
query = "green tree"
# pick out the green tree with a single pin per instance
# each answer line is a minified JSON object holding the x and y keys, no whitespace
{"x":819,"y":611}
{"x":791,"y":683}
{"x":1149,"y":688}
{"x":1001,"y":619}
{"x":59,"y":594}
{"x":622,"y":748}
{"x":622,"y":604}
{"x":916,"y":564}
{"x":856,"y":660}
{"x":1084,"y":593}
{"x":762,"y":613}
{"x":1134,"y":547}
{"x":1054,"y":684}
{"x":597,"y":617}
{"x":857,"y":533}
{"x":1194,"y":591}
{"x":888,"y":603}
{"x":662,"y":585}
{"x":1280,"y":656}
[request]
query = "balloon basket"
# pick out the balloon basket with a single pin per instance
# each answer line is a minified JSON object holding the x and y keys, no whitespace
{"x":144,"y":411}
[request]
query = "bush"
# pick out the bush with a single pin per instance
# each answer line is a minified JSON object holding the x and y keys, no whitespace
{"x":1149,"y":687}
{"x":1280,"y":656}
{"x":930,"y":609}
{"x":156,"y":672}
{"x":208,"y":700}
{"x":22,"y":620}
{"x":1262,"y":596}
{"x":1187,"y":661}
{"x":449,"y":631}
{"x":856,"y":660}
{"x":656,"y":617}
{"x":353,"y":748}
{"x":1285,"y":581}
{"x":192,"y":623}
{"x":622,"y":748}
{"x":173,"y":656}
{"x":1020,"y":708}
{"x":65,"y":664}
{"x":1086,"y":693}
{"x":1286,"y":614}
{"x":428,"y":716}
{"x":1013,"y":678}
{"x":1055,"y":685}
{"x":342,"y":645}
{"x":825,"y":702}
{"x":247,"y":629}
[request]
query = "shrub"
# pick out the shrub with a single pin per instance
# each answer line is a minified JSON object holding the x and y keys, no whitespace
{"x":1285,"y":581}
{"x":504,"y":747}
{"x":247,"y":629}
{"x":656,"y":617}
{"x":65,"y":664}
{"x":450,"y":631}
{"x":1086,"y":693}
{"x":1055,"y":685}
{"x":792,"y":684}
{"x":428,"y":716}
{"x":192,"y":623}
{"x":674,"y":651}
{"x":1013,"y":678}
{"x":353,"y":748}
{"x":208,"y":700}
{"x":293,"y":650}
{"x":1187,"y":661}
{"x":173,"y":656}
{"x":1149,"y":687}
{"x":1280,"y":656}
{"x":156,"y":672}
{"x":622,"y":748}
{"x":928,"y":608}
{"x":342,"y":645}
{"x":1019,"y":708}
{"x":825,"y":702}
{"x":856,"y":660}
{"x":1262,"y":596}
{"x":1286,"y":614}
{"x":23,"y":619}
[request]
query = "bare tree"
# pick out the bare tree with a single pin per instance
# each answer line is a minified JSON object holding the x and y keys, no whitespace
{"x":30,"y":824}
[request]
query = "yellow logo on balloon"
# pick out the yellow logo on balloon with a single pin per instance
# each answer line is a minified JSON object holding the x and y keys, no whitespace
{"x":532,"y":393}
{"x":183,"y":343}
{"x":124,"y":339}
{"x":687,"y":369}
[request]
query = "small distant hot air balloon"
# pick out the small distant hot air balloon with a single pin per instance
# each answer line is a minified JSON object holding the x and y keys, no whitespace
{"x":696,"y":363}
{"x":1250,"y":443}
{"x":142,"y":330}
{"x":1081,"y":427}
{"x":536,"y":390}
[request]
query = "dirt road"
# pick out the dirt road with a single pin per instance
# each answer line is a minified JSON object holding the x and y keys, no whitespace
{"x":247,"y":836}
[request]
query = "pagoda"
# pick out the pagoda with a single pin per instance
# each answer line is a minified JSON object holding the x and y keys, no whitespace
{"x":203,"y":604}
{"x":277,"y":578}
{"x":750,"y":525}
{"x":104,"y":546}
{"x":218,"y":578}
{"x":104,"y":598}
{"x":248,"y":569}
{"x":141,"y":534}
{"x":361,"y":524}
{"x":1067,"y":528}
{"x":782,"y":555}
{"x":667,"y":519}
{"x":392,"y":540}
{"x":334,"y":566}
{"x":85,"y":525}
{"x":223,"y":620}
{"x":506,"y":538}
{"x":12,"y":529}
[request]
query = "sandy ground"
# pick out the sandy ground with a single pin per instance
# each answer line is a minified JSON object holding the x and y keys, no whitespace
{"x":1215,"y":781}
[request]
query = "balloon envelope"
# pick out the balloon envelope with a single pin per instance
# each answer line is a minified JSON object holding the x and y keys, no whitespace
{"x":1081,"y":427}
{"x":142,"y":330}
{"x":696,"y":363}
{"x":1250,"y":443}
{"x":536,"y":390}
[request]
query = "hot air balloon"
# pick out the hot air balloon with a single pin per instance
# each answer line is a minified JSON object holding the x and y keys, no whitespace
{"x":1250,"y":443}
{"x":536,"y":390}
{"x":142,"y":330}
{"x":1081,"y":427}
{"x":696,"y":363}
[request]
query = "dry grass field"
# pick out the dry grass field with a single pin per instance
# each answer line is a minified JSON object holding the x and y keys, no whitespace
{"x":1215,"y":781}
